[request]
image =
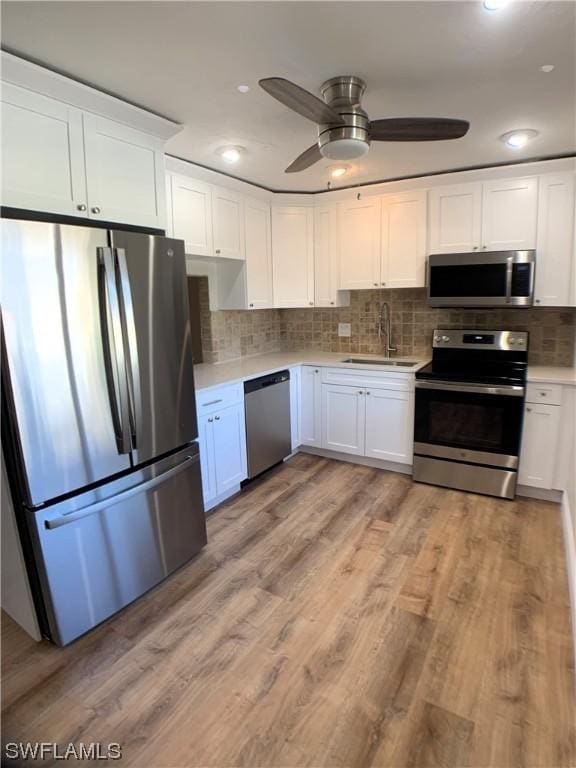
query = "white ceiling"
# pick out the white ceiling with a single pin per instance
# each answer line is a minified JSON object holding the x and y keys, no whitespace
{"x":453,"y":59}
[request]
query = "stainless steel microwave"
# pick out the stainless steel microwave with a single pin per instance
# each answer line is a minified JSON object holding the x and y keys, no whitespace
{"x":486,"y":279}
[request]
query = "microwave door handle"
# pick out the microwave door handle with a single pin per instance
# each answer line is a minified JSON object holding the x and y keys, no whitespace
{"x":130,"y":340}
{"x":112,"y":343}
{"x":509,"y":275}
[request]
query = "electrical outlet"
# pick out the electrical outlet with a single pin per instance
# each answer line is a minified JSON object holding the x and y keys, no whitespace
{"x":344,"y":329}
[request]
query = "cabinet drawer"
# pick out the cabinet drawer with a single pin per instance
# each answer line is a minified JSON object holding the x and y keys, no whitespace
{"x":544,"y":393}
{"x":368,"y":378}
{"x":215,"y":398}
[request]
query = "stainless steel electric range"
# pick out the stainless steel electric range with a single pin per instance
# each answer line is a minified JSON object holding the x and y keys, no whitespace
{"x":469,"y":409}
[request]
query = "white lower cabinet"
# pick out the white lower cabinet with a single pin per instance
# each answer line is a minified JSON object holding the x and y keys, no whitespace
{"x":295,"y":400}
{"x":343,"y":418}
{"x":222,"y":441}
{"x":539,"y":445}
{"x":389,"y":425}
{"x":310,"y":406}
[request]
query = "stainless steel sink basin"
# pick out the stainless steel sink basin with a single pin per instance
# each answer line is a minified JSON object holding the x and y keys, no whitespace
{"x":364,"y":361}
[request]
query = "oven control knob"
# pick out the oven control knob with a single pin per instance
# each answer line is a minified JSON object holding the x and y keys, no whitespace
{"x":445,"y":338}
{"x":436,"y":338}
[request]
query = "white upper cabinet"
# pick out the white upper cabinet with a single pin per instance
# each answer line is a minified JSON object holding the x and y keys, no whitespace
{"x":455,"y":218}
{"x":62,"y":160}
{"x":125,"y":173}
{"x":227,"y":224}
{"x":495,"y":215}
{"x":258,"y":254}
{"x":293,"y":256}
{"x":42,"y":154}
{"x":555,"y":247}
{"x":509,"y":211}
{"x":359,"y":230}
{"x":192,"y":214}
{"x":404,"y":240}
{"x":326,"y":278}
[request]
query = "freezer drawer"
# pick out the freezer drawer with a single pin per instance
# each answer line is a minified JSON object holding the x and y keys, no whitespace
{"x":103,"y":549}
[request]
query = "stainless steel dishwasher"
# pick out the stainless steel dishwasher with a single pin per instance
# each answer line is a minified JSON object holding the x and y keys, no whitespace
{"x":268,"y":436}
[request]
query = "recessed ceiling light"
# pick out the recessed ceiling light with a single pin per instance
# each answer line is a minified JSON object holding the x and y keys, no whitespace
{"x":547,"y":67}
{"x":494,"y":5}
{"x":338,"y":170}
{"x":243,"y":88}
{"x":518,"y":139}
{"x":230,"y":154}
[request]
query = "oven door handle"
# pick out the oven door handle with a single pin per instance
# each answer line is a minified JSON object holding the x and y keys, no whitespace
{"x":507,"y":390}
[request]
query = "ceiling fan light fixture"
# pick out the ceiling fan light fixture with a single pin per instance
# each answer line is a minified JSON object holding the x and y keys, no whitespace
{"x":494,"y":5}
{"x":345,"y":149}
{"x":518,"y":139}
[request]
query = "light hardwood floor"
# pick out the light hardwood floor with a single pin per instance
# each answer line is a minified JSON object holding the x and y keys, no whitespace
{"x":340,"y":616}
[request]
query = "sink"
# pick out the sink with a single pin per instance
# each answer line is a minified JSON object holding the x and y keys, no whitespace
{"x":364,"y":361}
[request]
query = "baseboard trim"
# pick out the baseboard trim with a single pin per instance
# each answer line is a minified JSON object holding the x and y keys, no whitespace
{"x":570,"y":546}
{"x":212,"y":503}
{"x":391,"y":466}
{"x":543,"y":494}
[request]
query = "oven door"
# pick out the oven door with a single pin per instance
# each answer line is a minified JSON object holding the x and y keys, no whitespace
{"x":469,"y":423}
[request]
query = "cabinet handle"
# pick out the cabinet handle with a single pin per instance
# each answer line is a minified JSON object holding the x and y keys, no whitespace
{"x":484,"y":247}
{"x":382,"y":283}
{"x":367,"y":393}
{"x":217,"y":251}
{"x":537,"y":301}
{"x":81,"y":207}
{"x":360,"y":392}
{"x":311,"y":303}
{"x":475,"y":248}
{"x":210,"y":419}
{"x":251,"y":305}
{"x":543,"y":394}
{"x":316,"y":370}
{"x":376,"y":284}
{"x":95,"y":209}
{"x":212,"y":402}
{"x":216,"y":418}
{"x":332,"y":303}
{"x":529,"y":410}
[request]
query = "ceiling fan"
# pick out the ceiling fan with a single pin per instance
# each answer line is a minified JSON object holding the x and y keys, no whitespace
{"x":344,"y":129}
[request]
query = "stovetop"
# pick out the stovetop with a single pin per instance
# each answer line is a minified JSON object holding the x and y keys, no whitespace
{"x":475,"y":373}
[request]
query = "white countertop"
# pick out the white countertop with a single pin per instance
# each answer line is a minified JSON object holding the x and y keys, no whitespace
{"x":213,"y":374}
{"x":547,"y":374}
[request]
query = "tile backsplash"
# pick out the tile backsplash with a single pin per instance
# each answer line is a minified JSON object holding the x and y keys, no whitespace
{"x":231,"y":334}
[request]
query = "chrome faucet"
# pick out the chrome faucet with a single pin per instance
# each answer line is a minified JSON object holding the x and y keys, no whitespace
{"x":385,"y":328}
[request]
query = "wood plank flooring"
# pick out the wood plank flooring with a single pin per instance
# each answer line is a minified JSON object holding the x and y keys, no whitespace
{"x":340,"y":616}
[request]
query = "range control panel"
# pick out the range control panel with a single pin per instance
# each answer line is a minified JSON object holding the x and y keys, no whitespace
{"x":470,"y":339}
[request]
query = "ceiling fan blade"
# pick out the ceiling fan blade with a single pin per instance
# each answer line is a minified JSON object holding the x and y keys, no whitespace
{"x":417,"y":129}
{"x":301,"y":101}
{"x":305,"y":160}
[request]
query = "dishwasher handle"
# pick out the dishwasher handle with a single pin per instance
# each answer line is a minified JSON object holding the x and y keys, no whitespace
{"x":266,"y":381}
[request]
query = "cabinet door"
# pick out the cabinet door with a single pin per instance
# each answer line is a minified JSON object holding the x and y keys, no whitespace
{"x":343,"y":418}
{"x":293,"y":257}
{"x":310,"y":406}
{"x":42,"y":154}
{"x":295,"y":399}
{"x":359,"y":243}
{"x":509,"y":210}
{"x":228,"y":224}
{"x":207,"y":464}
{"x":539,"y":441}
{"x":455,"y":218}
{"x":389,"y":425}
{"x":404,"y":240}
{"x":258,"y":255}
{"x":229,"y":447}
{"x":326,"y":256}
{"x":555,"y":264}
{"x":192,"y":215}
{"x":124,"y":172}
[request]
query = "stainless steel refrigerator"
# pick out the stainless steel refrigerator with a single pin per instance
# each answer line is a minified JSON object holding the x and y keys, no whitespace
{"x":99,"y":418}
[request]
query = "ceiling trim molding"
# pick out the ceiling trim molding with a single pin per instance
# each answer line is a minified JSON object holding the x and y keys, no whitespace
{"x":46,"y":81}
{"x":343,"y":188}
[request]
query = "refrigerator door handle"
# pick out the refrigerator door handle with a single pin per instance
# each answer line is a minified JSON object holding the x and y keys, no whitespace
{"x":113,"y":347}
{"x":91,"y":509}
{"x":129,"y":328}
